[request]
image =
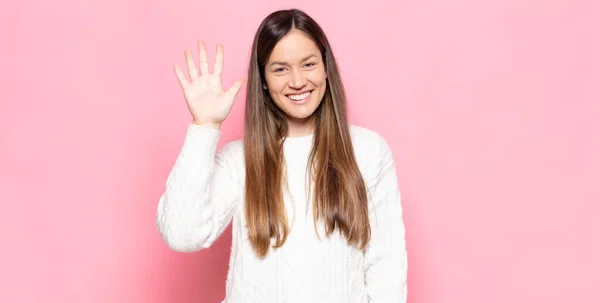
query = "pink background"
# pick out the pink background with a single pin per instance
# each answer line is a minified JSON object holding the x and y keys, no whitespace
{"x":491,"y":108}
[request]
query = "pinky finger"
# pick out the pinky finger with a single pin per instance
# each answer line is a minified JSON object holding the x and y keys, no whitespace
{"x":182,"y":80}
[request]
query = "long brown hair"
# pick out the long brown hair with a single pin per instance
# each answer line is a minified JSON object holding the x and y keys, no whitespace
{"x":340,"y":194}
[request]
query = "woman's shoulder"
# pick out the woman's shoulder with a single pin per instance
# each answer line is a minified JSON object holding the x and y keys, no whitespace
{"x":232,"y":151}
{"x":365,"y":138}
{"x":371,"y":150}
{"x":233,"y":146}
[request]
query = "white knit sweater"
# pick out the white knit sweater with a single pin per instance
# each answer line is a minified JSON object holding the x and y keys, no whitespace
{"x":204,"y":193}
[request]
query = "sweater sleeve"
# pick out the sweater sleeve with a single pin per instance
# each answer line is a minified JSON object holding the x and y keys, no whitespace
{"x":385,"y":255}
{"x":201,"y":192}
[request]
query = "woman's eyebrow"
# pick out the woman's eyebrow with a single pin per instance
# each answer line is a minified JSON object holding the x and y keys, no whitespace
{"x":285,"y":63}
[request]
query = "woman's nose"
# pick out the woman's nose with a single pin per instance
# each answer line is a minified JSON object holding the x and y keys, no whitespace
{"x":298,"y":80}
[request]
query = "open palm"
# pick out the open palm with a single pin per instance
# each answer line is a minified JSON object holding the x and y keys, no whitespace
{"x":207,"y":101}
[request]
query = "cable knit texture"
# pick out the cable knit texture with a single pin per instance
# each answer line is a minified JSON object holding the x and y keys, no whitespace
{"x":205,"y":193}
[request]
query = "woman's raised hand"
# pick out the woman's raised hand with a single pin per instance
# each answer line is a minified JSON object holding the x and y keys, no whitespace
{"x":208,"y":103}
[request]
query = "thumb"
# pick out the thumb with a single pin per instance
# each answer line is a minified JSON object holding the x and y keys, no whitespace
{"x":235,"y":88}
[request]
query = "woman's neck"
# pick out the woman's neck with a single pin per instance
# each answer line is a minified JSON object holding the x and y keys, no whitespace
{"x":300,"y":128}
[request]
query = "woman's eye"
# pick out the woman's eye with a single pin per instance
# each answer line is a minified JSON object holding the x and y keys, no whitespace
{"x":309,"y":64}
{"x":278,"y":70}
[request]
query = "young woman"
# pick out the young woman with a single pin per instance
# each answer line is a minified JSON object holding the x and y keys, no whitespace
{"x":313,"y":201}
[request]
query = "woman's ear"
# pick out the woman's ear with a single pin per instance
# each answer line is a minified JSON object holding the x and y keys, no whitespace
{"x":264,"y":86}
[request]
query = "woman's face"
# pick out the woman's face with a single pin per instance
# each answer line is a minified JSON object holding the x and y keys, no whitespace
{"x":295,"y":76}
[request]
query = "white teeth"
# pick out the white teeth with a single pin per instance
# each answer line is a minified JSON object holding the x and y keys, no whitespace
{"x":299,"y":97}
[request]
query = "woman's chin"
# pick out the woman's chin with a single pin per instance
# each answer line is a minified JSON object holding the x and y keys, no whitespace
{"x":300,"y":117}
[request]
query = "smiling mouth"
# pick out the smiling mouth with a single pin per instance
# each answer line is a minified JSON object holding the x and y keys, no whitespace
{"x":299,"y":97}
